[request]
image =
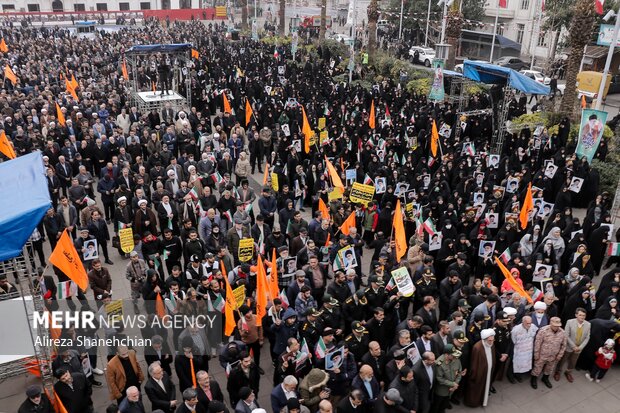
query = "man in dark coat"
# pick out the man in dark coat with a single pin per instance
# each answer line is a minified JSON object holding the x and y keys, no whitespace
{"x":160,"y":389}
{"x":74,"y":391}
{"x":98,"y":228}
{"x":424,"y":372}
{"x":36,"y":402}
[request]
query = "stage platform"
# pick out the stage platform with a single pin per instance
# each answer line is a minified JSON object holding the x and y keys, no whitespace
{"x":147,"y":101}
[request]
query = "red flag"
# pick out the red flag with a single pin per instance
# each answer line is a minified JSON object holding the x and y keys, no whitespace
{"x":503,"y":4}
{"x":598,"y":4}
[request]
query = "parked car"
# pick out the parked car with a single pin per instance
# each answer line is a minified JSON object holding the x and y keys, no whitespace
{"x":342,"y":38}
{"x":425,"y":55}
{"x":511,"y":63}
{"x":537,"y":76}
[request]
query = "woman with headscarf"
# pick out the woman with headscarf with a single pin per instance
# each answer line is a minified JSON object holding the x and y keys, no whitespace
{"x":609,"y":310}
{"x":572,"y":277}
{"x":593,"y":217}
{"x":597,"y":244}
{"x":600,"y":331}
{"x":579,"y":300}
{"x":547,"y":252}
{"x":530,"y":242}
{"x":555,"y":236}
{"x":445,"y":256}
{"x":583,"y":263}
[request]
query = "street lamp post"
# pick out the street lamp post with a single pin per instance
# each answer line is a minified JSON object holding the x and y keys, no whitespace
{"x":610,"y":55}
{"x":400,"y":27}
{"x":428,"y":20}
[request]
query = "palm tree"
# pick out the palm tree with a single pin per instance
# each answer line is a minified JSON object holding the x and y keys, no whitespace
{"x":454,"y":23}
{"x":373,"y":16}
{"x":323,"y":20}
{"x":580,"y":34}
{"x":282,"y":27}
{"x":244,"y":14}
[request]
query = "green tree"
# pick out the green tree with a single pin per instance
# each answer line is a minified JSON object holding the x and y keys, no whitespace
{"x":282,"y":26}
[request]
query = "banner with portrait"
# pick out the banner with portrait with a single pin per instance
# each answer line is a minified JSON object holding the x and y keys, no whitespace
{"x":437,"y":92}
{"x":590,"y":133}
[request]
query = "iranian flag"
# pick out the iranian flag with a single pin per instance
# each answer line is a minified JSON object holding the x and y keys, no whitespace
{"x":505,"y":257}
{"x":368,"y":180}
{"x":338,"y":264}
{"x":388,"y":116}
{"x":320,"y":350}
{"x":248,"y":208}
{"x":431,"y":161}
{"x":194,"y":194}
{"x":284,"y":298}
{"x":275,"y":53}
{"x":429,"y":227}
{"x":471,"y":150}
{"x":66,"y":289}
{"x":122,"y":226}
{"x":390,"y":285}
{"x":404,"y":159}
{"x":419,"y":225}
{"x":217,"y":178}
{"x":613,"y":249}
{"x":219,"y":303}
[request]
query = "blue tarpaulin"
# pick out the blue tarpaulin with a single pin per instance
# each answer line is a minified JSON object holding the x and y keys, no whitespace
{"x":24,"y":198}
{"x":160,"y":48}
{"x":494,"y":74}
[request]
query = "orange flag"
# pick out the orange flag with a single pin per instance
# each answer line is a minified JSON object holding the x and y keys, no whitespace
{"x":528,"y":205}
{"x":60,"y":407}
{"x":160,"y":310}
{"x":74,"y":83}
{"x":66,"y":258}
{"x":336,"y":181}
{"x":266,"y":175}
{"x":195,"y":54}
{"x":248,"y":112}
{"x":71,"y":89}
{"x":323,"y":209}
{"x":513,"y":283}
{"x":191,"y":368}
{"x":434,"y":139}
{"x":262,"y":290}
{"x":229,"y":306}
{"x":584,"y":104}
{"x":399,"y":232}
{"x":273,"y":284}
{"x":371,"y":117}
{"x":124,"y":70}
{"x":153,"y":88}
{"x":3,"y":47}
{"x":227,"y":108}
{"x":9,"y":74}
{"x":60,"y":115}
{"x":348,"y":223}
{"x":306,"y":130}
{"x":5,"y":146}
{"x":329,"y":236}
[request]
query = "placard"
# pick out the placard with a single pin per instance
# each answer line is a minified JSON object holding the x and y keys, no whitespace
{"x":125,"y":236}
{"x":361,"y":193}
{"x":246,"y":249}
{"x":239,"y":294}
{"x":403,"y":281}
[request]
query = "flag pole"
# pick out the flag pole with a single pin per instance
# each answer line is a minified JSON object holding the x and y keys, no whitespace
{"x":494,"y":33}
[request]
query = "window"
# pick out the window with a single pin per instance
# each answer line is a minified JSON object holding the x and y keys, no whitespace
{"x":520,"y":31}
{"x":165,"y":4}
{"x":33,"y":7}
{"x":525,"y":4}
{"x":8,"y":7}
{"x":500,"y":30}
{"x":79,"y":7}
{"x":145,"y":5}
{"x":542,"y":39}
{"x":102,"y":6}
{"x":123,"y":6}
{"x":57,"y":6}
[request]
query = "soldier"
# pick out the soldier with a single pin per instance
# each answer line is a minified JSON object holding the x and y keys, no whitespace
{"x":354,"y":307}
{"x":426,"y":286}
{"x":357,"y":341}
{"x":375,"y":293}
{"x":502,"y":343}
{"x":331,"y":315}
{"x":549,"y":348}
{"x":312,"y":327}
{"x":449,"y":373}
{"x":473,"y":333}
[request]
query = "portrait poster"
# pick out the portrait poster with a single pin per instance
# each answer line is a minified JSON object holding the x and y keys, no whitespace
{"x":590,"y":133}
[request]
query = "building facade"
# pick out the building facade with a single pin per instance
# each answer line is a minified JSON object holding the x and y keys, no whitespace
{"x":521,"y":21}
{"x":101,"y":5}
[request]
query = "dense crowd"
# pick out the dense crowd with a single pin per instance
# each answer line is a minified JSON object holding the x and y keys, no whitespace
{"x":341,"y":334}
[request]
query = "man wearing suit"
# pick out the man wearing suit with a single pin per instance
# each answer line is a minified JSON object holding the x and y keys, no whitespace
{"x":578,"y":334}
{"x":424,"y":372}
{"x":134,"y":116}
{"x":208,"y":390}
{"x":190,"y":402}
{"x":352,"y":403}
{"x":159,"y":352}
{"x":74,"y":390}
{"x":367,"y":384}
{"x":123,"y":372}
{"x":282,"y":392}
{"x":247,"y":401}
{"x":426,"y":342}
{"x":442,"y":337}
{"x":64,"y":172}
{"x":487,"y":308}
{"x":427,"y":312}
{"x":159,"y":388}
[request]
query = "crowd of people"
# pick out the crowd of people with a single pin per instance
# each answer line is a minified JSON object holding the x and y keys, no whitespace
{"x":194,"y":183}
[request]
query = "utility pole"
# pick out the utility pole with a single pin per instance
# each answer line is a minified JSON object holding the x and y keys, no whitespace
{"x":428,"y":20}
{"x":494,"y":33}
{"x":354,"y":36}
{"x":610,"y":55}
{"x":400,"y":27}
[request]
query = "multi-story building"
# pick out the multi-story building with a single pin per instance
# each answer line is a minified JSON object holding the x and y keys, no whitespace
{"x":101,"y":5}
{"x":522,"y":21}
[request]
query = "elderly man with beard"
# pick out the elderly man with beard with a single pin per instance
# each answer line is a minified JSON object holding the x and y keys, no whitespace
{"x":481,"y":370}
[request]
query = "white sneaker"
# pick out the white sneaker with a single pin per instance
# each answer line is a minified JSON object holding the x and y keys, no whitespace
{"x":588,"y":377}
{"x":98,"y":372}
{"x":598,"y":380}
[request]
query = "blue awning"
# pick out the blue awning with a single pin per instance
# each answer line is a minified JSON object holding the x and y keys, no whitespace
{"x":506,"y":43}
{"x":160,"y":48}
{"x":24,"y":198}
{"x":494,"y":74}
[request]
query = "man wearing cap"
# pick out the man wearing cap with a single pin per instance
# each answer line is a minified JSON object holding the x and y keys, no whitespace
{"x":473,"y":333}
{"x":389,"y":402}
{"x":447,"y":287}
{"x":449,"y":374}
{"x":331,"y":315}
{"x":355,"y":307}
{"x":144,"y":219}
{"x":268,"y":206}
{"x":549,"y":349}
{"x":503,"y":343}
{"x":295,"y":286}
{"x":377,"y":327}
{"x":234,"y":236}
{"x":357,"y":341}
{"x":36,"y":401}
{"x":311,"y":328}
{"x":480,"y":374}
{"x":461,"y":267}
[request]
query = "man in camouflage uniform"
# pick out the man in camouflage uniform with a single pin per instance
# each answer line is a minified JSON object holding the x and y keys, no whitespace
{"x":549,"y":348}
{"x":449,"y":373}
